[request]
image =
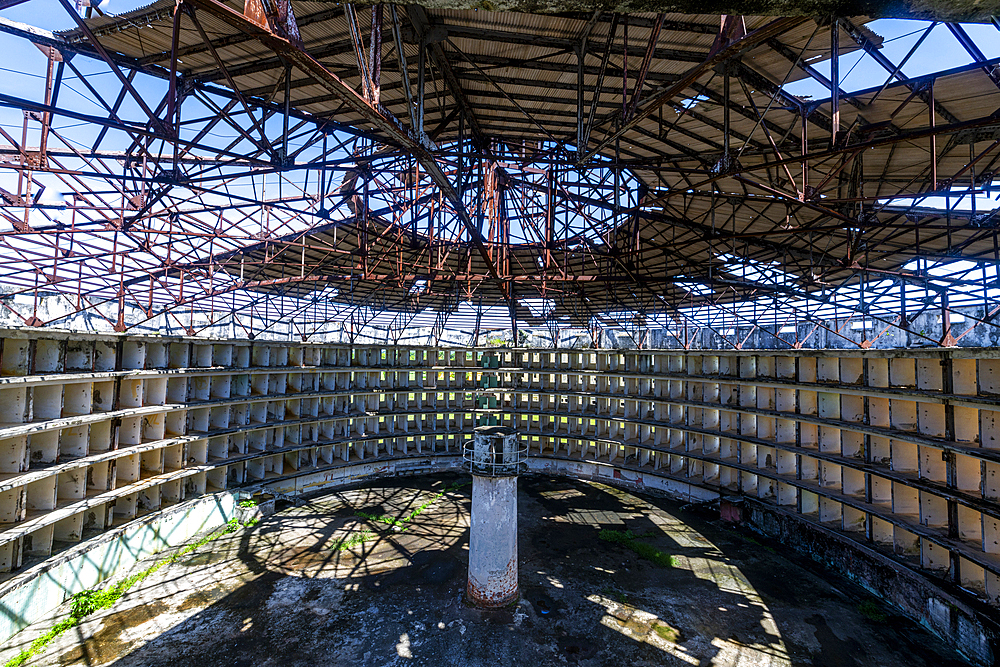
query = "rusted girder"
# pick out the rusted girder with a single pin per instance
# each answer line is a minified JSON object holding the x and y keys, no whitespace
{"x":376,"y":115}
{"x":942,"y":10}
{"x":772,"y":29}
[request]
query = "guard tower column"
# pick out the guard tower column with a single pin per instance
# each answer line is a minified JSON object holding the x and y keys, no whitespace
{"x":494,"y":457}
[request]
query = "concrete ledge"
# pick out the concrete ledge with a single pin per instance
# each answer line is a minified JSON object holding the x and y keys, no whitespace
{"x":973,"y":629}
{"x":31,"y":594}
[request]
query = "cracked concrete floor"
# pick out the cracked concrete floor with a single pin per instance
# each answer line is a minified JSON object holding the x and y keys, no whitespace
{"x":282,"y":594}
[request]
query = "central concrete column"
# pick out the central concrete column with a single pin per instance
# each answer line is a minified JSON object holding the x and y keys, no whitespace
{"x":494,"y":458}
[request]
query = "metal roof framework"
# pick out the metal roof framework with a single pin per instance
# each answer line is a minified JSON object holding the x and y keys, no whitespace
{"x":336,"y":167}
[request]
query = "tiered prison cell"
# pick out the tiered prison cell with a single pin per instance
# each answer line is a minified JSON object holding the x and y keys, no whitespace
{"x":898,"y":451}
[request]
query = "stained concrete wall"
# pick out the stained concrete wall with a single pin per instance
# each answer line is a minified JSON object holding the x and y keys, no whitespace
{"x":897,"y":452}
{"x":34,"y":592}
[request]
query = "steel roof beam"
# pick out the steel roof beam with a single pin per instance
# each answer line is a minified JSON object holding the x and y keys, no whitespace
{"x":772,"y":29}
{"x":376,"y":115}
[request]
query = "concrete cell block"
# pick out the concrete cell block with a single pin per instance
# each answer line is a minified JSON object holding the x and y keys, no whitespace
{"x":127,"y":469}
{"x":72,"y":485}
{"x":151,"y":462}
{"x":830,"y":511}
{"x":13,"y":405}
{"x":969,"y":473}
{"x":79,"y":355}
{"x":809,"y":502}
{"x":933,"y":556}
{"x":41,"y":495}
{"x":104,"y":396}
{"x":100,"y":477}
{"x":902,"y":373}
{"x":830,"y":475}
{"x":148,"y":500}
{"x":74,"y":442}
{"x":991,"y":535}
{"x":809,"y":468}
{"x":973,"y":576}
{"x":787,"y":494}
{"x":881,"y":450}
{"x":966,"y":424}
{"x":882,"y":531}
{"x":154,"y":392}
{"x":130,"y":431}
{"x":932,"y":464}
{"x":78,"y":399}
{"x":43,"y":448}
{"x":852,"y":408}
{"x":105,"y":356}
{"x":931,"y":419}
{"x":13,"y":504}
{"x":102,"y":437}
{"x":852,"y":370}
{"x":10,"y":555}
{"x":48,"y":356}
{"x":178,"y":355}
{"x":14,"y":359}
{"x":854,"y":520}
{"x":878,"y":372}
{"x":38,"y":543}
{"x":156,"y":355}
{"x":133,"y":355}
{"x":903,"y":414}
{"x":853,"y":482}
{"x":989,"y":428}
{"x":933,"y":510}
{"x":14,"y":454}
{"x":930,"y":374}
{"x":46,"y":402}
{"x":970,"y":525}
{"x":904,"y":456}
{"x":905,"y":543}
{"x":905,"y":500}
{"x":828,"y":369}
{"x":829,"y":439}
{"x":963,"y":377}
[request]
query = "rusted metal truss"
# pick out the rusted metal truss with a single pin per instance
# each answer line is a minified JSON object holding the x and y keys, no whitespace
{"x":279,"y":183}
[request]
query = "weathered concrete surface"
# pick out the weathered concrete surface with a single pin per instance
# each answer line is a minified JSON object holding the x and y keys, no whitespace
{"x":493,"y":541}
{"x":279,"y":595}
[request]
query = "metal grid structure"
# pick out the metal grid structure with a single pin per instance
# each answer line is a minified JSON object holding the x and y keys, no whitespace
{"x":328,"y":170}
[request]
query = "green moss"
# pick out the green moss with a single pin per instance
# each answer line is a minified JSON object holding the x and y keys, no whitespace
{"x":670,"y":634}
{"x":643,"y":549}
{"x":747,"y":538}
{"x":872,"y":611}
{"x":92,"y":600}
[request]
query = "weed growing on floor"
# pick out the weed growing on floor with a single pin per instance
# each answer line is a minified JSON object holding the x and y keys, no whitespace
{"x":872,"y":611}
{"x":397,"y":524}
{"x":631,"y":541}
{"x":92,"y":600}
{"x":247,"y":503}
{"x":354,"y":540}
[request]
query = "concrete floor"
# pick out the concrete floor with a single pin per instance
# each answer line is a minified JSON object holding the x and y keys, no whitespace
{"x":280,"y":594}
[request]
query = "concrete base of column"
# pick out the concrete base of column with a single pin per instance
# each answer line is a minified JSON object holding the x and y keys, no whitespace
{"x":493,"y":542}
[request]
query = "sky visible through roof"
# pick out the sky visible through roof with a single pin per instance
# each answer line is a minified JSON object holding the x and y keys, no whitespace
{"x":23,"y":76}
